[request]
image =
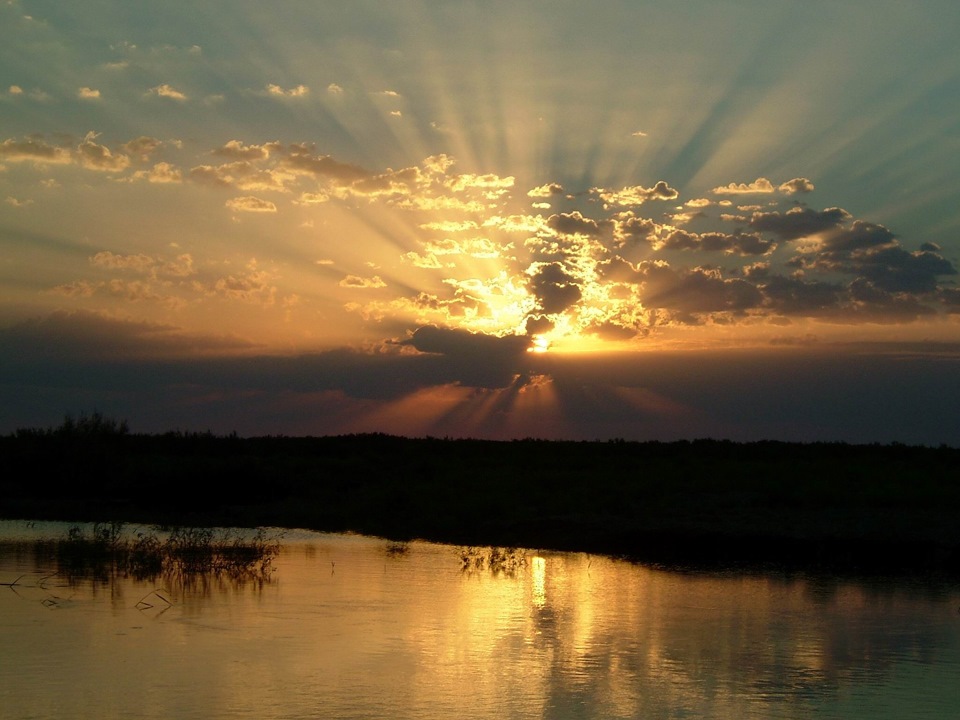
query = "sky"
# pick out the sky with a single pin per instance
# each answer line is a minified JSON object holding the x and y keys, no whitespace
{"x":650,"y":221}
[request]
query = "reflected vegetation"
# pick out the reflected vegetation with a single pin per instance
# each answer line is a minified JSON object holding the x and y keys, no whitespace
{"x":103,"y":552}
{"x":496,"y":560}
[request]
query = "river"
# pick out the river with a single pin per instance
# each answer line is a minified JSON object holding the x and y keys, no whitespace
{"x":355,"y":627}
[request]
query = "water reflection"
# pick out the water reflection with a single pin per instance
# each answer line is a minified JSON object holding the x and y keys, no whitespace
{"x":357,"y":627}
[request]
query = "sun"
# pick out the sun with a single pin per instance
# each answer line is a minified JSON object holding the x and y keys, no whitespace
{"x":540,"y":344}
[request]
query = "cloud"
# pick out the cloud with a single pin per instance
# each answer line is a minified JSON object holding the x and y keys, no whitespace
{"x":252,"y":204}
{"x":16,"y":202}
{"x":427,"y":262}
{"x":574,"y":223}
{"x":797,"y":185}
{"x":860,"y":235}
{"x":300,"y":159}
{"x":334,"y":89}
{"x":243,"y":175}
{"x":142,"y":147}
{"x":637,"y":195}
{"x":630,"y":229}
{"x":546,"y":191}
{"x":167,"y":91}
{"x":695,"y":291}
{"x":799,"y":222}
{"x":758,"y":186}
{"x":488,"y":181}
{"x":892,"y":269}
{"x":462,"y":343}
{"x":294,"y":92}
{"x":479,"y":247}
{"x":77,"y":289}
{"x":236,"y":150}
{"x":315,"y":198}
{"x":762,"y":186}
{"x":355,"y":281}
{"x":736,"y":243}
{"x":99,"y":157}
{"x":554,"y":287}
{"x":92,"y":337}
{"x":251,"y":285}
{"x":162,"y":172}
{"x":111,"y":261}
{"x":86,"y":93}
{"x":33,"y":150}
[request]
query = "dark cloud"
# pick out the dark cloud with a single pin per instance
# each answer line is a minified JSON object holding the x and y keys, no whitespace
{"x":576,"y":224}
{"x":858,"y":236}
{"x":736,"y":243}
{"x":893,"y":269}
{"x":632,"y":229}
{"x":795,"y":296}
{"x":238,"y":151}
{"x":554,"y":288}
{"x":694,"y":291}
{"x":857,"y":393}
{"x":797,"y":185}
{"x":876,"y":304}
{"x":86,"y":337}
{"x":33,"y":149}
{"x":798,"y":222}
{"x":455,"y":342}
{"x":301,"y":158}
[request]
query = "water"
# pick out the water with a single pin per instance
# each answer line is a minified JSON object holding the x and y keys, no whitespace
{"x":350,"y":627}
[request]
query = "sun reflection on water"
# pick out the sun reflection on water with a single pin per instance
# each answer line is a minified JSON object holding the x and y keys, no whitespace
{"x":538,"y":577}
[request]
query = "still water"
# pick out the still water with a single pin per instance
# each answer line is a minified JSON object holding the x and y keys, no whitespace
{"x":353,"y":627}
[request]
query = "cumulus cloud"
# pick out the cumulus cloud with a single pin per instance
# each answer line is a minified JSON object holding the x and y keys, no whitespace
{"x":243,"y":175}
{"x":334,"y":89}
{"x":33,"y":150}
{"x":797,"y":185}
{"x":161,"y":172}
{"x":488,"y":181}
{"x":301,"y":159}
{"x":167,"y":91}
{"x":142,"y":147}
{"x":573,"y":223}
{"x":799,"y":222}
{"x":112,"y":261}
{"x":637,"y":195}
{"x":250,"y":285}
{"x":235,"y":149}
{"x":252,"y":204}
{"x":456,"y":342}
{"x":631,"y":229}
{"x":735,"y":243}
{"x":93,"y":156}
{"x":294,"y":92}
{"x":695,"y":291}
{"x":546,"y":191}
{"x":355,"y":281}
{"x":86,"y":93}
{"x":757,"y":187}
{"x":554,"y":287}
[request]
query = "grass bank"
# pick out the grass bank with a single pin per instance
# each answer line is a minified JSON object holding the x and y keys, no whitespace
{"x":836,"y":507}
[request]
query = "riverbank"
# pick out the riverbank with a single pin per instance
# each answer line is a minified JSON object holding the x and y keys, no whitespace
{"x":831,"y":507}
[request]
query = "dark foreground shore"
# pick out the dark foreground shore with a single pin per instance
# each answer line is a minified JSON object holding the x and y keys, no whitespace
{"x":818,"y":507}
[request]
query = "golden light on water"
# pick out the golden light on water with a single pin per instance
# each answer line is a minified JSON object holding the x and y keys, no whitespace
{"x":538,"y":581}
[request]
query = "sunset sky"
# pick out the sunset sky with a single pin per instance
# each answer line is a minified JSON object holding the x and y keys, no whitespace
{"x":734,"y":219}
